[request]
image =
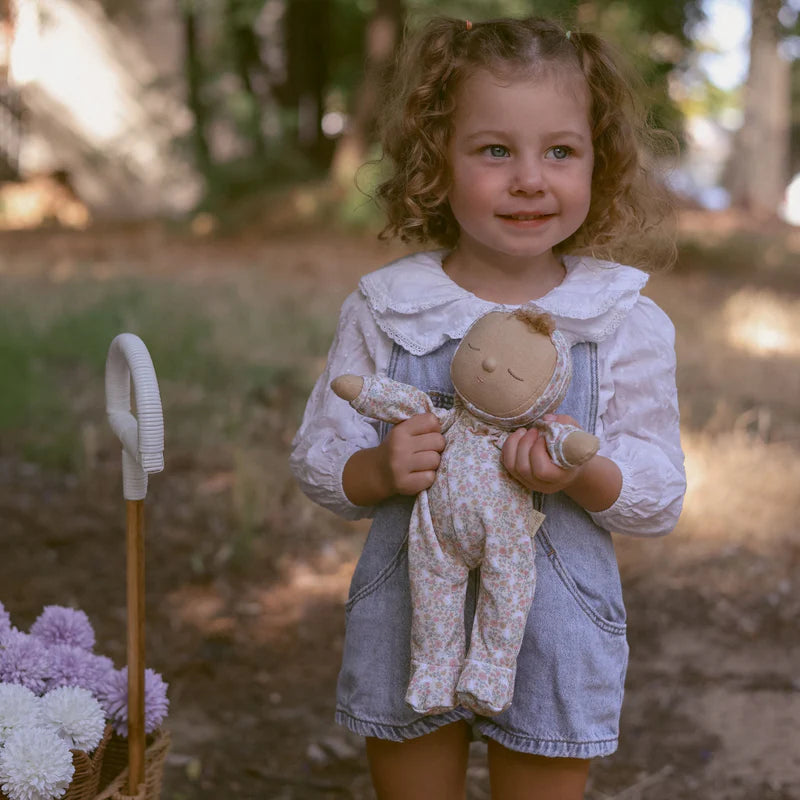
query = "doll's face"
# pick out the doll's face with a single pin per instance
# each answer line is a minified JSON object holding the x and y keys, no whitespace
{"x":502,"y":366}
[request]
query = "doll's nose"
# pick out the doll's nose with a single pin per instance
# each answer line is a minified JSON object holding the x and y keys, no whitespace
{"x":489,"y":364}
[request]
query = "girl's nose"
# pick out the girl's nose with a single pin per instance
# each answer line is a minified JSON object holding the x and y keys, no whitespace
{"x":528,"y":178}
{"x":489,"y":364}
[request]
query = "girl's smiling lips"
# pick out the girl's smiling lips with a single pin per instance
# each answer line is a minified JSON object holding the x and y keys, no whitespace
{"x":525,"y":216}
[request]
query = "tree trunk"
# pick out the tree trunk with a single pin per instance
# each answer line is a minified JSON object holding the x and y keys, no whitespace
{"x":761,"y":170}
{"x":246,"y":61}
{"x":202,"y":153}
{"x":382,"y":38}
{"x":308,"y":33}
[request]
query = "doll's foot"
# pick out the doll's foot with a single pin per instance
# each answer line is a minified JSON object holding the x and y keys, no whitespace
{"x":431,"y":688}
{"x":486,"y":689}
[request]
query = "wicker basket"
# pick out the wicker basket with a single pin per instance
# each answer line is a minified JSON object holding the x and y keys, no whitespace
{"x":113,"y":776}
{"x":86,"y":780}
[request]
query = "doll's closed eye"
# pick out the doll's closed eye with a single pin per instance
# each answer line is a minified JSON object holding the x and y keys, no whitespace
{"x":472,"y":347}
{"x":516,"y":377}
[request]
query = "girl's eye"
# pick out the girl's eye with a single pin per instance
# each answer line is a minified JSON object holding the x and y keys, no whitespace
{"x":497,"y":151}
{"x":560,"y":152}
{"x":516,"y":377}
{"x":472,"y":347}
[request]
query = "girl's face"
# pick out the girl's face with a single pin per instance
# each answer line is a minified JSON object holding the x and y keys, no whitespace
{"x":521,"y":160}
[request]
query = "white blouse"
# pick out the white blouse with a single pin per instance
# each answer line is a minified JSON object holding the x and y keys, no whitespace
{"x":414,"y":303}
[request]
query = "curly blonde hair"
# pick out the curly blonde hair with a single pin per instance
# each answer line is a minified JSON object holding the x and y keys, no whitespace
{"x":630,"y":218}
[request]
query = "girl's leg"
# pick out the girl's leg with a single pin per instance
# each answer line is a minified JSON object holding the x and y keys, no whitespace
{"x":430,"y":766}
{"x":521,"y":776}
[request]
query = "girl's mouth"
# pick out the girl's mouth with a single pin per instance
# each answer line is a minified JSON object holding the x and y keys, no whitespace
{"x":524,"y":217}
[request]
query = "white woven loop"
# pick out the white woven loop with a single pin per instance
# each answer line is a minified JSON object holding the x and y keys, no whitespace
{"x":143,"y":440}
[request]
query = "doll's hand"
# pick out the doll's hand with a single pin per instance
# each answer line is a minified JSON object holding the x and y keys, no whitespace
{"x":526,"y":458}
{"x":348,"y":387}
{"x":410,"y":454}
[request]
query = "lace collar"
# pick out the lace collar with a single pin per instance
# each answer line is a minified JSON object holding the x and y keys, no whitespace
{"x":418,"y":306}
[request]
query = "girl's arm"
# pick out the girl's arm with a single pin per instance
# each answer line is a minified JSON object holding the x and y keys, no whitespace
{"x":640,"y":430}
{"x":595,"y":485}
{"x":407,"y":459}
{"x":337,"y":456}
{"x":636,"y":482}
{"x":331,"y":432}
{"x":405,"y":462}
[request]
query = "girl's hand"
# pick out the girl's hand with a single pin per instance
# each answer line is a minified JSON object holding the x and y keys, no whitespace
{"x":595,"y":485}
{"x":405,"y":462}
{"x":526,"y":458}
{"x":410,"y":454}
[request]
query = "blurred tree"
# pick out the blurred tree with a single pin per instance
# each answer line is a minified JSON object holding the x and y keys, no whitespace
{"x":243,"y":42}
{"x":307,"y":31}
{"x":382,"y":37}
{"x":760,"y":167}
{"x":194,"y":83}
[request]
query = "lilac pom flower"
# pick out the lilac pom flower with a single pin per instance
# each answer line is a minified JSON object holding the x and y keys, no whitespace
{"x":75,"y":716}
{"x":5,"y":620}
{"x":114,"y":699}
{"x":62,"y":625}
{"x":24,"y":660}
{"x":18,"y":707}
{"x":73,"y":666}
{"x":35,"y":764}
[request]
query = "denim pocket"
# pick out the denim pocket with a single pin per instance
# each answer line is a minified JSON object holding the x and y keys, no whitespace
{"x":359,"y":592}
{"x":585,"y":603}
{"x":384,"y":551}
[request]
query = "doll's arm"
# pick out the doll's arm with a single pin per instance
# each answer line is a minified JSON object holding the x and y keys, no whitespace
{"x":382,"y":398}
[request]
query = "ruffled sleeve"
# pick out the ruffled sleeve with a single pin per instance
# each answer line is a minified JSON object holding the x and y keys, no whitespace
{"x":331,"y":431}
{"x":640,"y":425}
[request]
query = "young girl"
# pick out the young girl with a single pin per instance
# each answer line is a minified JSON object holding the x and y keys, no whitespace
{"x":516,"y":148}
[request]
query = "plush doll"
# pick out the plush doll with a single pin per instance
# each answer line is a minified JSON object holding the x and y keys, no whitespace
{"x":509,"y":370}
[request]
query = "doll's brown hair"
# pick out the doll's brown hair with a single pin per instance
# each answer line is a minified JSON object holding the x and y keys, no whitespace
{"x":630,"y":216}
{"x":537,"y":321}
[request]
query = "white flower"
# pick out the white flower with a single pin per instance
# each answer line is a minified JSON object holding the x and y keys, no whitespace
{"x":19,"y":706}
{"x":35,"y":764}
{"x":75,"y":715}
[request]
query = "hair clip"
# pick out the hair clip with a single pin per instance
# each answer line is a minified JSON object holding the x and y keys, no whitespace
{"x":568,"y":35}
{"x":468,"y":23}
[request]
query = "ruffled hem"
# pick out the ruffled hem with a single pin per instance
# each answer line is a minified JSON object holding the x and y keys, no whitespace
{"x":553,"y":748}
{"x":419,"y":307}
{"x":399,"y":733}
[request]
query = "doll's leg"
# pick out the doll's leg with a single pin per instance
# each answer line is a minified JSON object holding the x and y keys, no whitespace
{"x":438,"y":578}
{"x":508,"y":577}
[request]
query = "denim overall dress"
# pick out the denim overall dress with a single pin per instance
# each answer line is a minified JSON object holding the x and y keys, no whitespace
{"x":571,"y":668}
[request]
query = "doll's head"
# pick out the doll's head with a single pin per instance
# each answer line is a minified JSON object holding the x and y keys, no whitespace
{"x":511,"y":368}
{"x":627,"y":206}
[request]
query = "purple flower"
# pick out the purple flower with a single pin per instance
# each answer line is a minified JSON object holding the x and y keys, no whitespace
{"x":73,"y":666}
{"x":114,"y":699}
{"x":5,"y":620}
{"x":62,"y":625}
{"x":24,"y":660}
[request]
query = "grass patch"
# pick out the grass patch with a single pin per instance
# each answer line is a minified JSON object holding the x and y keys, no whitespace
{"x":216,"y":350}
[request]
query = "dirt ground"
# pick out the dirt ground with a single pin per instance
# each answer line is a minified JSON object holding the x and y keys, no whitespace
{"x":250,"y":647}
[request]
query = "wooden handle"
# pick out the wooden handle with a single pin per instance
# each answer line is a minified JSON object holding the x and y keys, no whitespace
{"x":135,"y":589}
